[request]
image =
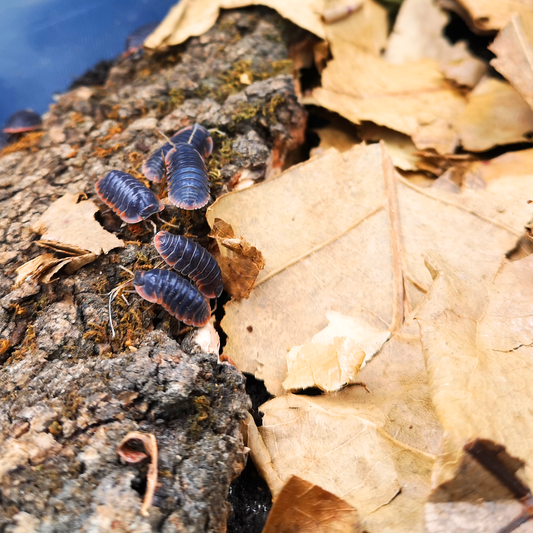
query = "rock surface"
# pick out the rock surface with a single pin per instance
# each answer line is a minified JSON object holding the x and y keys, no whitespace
{"x":69,"y":391}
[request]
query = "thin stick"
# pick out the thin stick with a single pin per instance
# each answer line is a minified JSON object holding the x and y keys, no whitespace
{"x":112,"y":295}
{"x":166,"y":223}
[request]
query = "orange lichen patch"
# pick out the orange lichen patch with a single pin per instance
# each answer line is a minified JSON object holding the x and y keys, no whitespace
{"x":29,"y":141}
{"x":4,"y":346}
{"x":113,"y":114}
{"x":119,"y":128}
{"x":104,"y":152}
{"x":77,"y":117}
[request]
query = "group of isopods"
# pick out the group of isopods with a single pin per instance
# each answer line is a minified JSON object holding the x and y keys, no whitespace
{"x":181,"y":161}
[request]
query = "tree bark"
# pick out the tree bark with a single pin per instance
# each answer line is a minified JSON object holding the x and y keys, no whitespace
{"x":69,"y":391}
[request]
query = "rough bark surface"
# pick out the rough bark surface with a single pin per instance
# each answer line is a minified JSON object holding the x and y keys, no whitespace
{"x":69,"y":392}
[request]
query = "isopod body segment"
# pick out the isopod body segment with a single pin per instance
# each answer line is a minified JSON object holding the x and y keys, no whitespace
{"x":177,"y":295}
{"x":130,"y":199}
{"x":197,"y":136}
{"x":192,"y":260}
{"x":188,"y":181}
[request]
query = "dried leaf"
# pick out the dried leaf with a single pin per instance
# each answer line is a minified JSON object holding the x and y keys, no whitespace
{"x":496,"y":114}
{"x":334,"y":356}
{"x":367,"y":27}
{"x":43,"y":268}
{"x":494,"y":14}
{"x":514,"y":54}
{"x":35,"y":268}
{"x":400,"y":147}
{"x":133,"y":455}
{"x":305,"y":508}
{"x":342,"y":232}
{"x":239,"y":261}
{"x":472,"y":517}
{"x":67,"y":222}
{"x":412,"y":98}
{"x":477,"y":336}
{"x":418,"y":34}
{"x":332,"y":443}
{"x":260,"y":455}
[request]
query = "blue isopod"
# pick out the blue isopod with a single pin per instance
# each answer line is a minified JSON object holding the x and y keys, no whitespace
{"x":188,"y":181}
{"x":130,"y":199}
{"x":191,"y":259}
{"x":177,"y":295}
{"x":197,"y":136}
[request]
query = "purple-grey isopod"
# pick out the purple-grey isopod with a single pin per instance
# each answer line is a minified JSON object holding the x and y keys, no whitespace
{"x":197,"y":136}
{"x":130,"y":199}
{"x":192,"y":260}
{"x":135,"y":40}
{"x":177,"y":295}
{"x":188,"y":181}
{"x":24,"y":120}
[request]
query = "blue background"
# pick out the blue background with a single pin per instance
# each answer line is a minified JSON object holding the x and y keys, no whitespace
{"x":46,"y":44}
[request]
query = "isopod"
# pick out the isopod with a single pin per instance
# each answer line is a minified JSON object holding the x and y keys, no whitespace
{"x":130,"y":199}
{"x":188,"y":182}
{"x":23,"y":120}
{"x":177,"y":295}
{"x":192,"y":260}
{"x":197,"y":136}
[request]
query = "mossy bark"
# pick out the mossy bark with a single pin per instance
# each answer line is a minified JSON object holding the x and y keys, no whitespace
{"x":69,"y":391}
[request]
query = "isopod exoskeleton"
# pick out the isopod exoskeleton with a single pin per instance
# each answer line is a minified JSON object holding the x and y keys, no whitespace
{"x":177,"y":295}
{"x":130,"y":199}
{"x":192,"y":260}
{"x":188,"y":182}
{"x":23,"y":120}
{"x":197,"y":136}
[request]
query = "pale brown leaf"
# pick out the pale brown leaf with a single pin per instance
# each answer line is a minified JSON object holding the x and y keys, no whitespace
{"x":367,"y":26}
{"x":43,"y":268}
{"x":69,"y":223}
{"x":412,"y":98}
{"x":477,"y":336}
{"x":239,"y":261}
{"x":473,"y":517}
{"x":514,"y":54}
{"x":418,"y":34}
{"x":496,"y":114}
{"x":334,"y":356}
{"x":302,"y":507}
{"x":343,"y":232}
{"x":494,"y":14}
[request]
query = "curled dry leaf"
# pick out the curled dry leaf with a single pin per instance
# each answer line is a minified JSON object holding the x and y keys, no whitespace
{"x":366,"y":27}
{"x":302,"y":507}
{"x":494,"y":14}
{"x":477,"y":336}
{"x":128,"y":451}
{"x":400,"y":147}
{"x":43,"y":267}
{"x":418,"y":34}
{"x":239,"y":261}
{"x":496,"y":114}
{"x":514,"y":54}
{"x":413,"y":99}
{"x":334,"y":356}
{"x":71,"y":224}
{"x":260,"y":455}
